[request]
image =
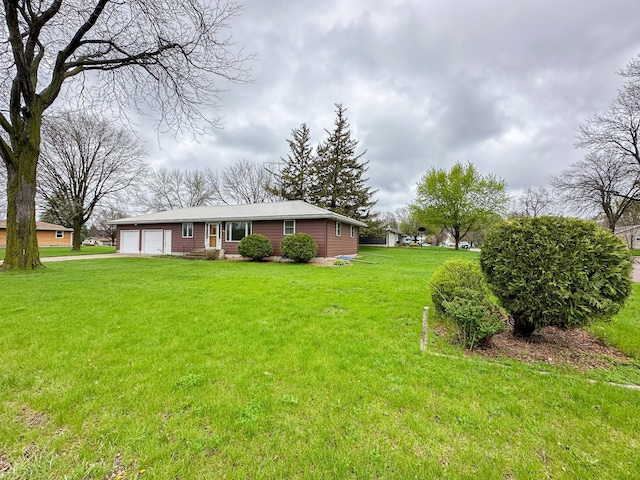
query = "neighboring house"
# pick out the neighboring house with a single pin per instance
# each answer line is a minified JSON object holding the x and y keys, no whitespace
{"x":49,"y":235}
{"x":630,"y":234}
{"x":102,"y":241}
{"x":179,"y":232}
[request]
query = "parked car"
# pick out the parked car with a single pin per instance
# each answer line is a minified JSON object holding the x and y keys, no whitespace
{"x":465,"y":245}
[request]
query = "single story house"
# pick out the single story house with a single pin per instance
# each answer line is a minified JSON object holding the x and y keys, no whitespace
{"x":179,"y":232}
{"x":49,"y":235}
{"x":102,"y":241}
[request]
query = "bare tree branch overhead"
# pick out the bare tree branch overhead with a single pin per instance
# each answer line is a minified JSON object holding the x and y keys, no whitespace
{"x":168,"y":55}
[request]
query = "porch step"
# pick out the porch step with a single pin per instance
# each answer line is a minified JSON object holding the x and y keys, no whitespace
{"x":197,"y":254}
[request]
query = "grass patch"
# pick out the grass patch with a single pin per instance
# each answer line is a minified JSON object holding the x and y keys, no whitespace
{"x":623,"y":330}
{"x":635,"y":252}
{"x":67,"y":252}
{"x":266,"y":370}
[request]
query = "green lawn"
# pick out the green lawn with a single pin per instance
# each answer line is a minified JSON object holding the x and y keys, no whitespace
{"x":66,"y":251}
{"x":165,"y":368}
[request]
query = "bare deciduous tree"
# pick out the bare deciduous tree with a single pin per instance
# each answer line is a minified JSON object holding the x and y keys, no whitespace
{"x":242,"y":182}
{"x":101,"y":227}
{"x":171,"y":189}
{"x":83,"y":161}
{"x":167,"y":54}
{"x":245,"y":182}
{"x":616,"y":132}
{"x":600,"y":184}
{"x":534,"y":202}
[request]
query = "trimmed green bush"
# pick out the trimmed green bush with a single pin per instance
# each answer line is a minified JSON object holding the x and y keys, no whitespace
{"x":458,"y":289}
{"x":452,"y":277}
{"x":476,"y":317}
{"x":556,"y":271}
{"x":256,"y":247}
{"x":299,"y":247}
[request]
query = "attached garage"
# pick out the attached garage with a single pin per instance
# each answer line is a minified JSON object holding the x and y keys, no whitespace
{"x":152,"y":242}
{"x":129,"y":241}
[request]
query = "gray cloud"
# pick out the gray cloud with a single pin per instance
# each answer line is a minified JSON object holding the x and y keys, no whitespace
{"x":502,"y":84}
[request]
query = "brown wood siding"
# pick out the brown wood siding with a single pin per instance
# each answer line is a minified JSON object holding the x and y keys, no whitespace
{"x":344,"y":244}
{"x":46,"y":238}
{"x":179,"y":245}
{"x":274,"y":231}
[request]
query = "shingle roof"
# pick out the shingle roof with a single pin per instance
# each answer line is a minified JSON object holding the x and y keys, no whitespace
{"x":293,"y":209}
{"x":41,"y":226}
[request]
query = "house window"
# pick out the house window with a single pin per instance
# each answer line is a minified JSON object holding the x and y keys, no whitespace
{"x":236,"y":231}
{"x":187,"y":230}
{"x":289,"y":227}
{"x":353,"y":231}
{"x":59,"y":234}
{"x":338,"y":229}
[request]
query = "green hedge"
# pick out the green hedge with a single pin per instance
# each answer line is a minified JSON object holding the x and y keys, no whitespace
{"x":256,"y":247}
{"x":556,"y":271}
{"x":299,"y":247}
{"x":459,"y":291}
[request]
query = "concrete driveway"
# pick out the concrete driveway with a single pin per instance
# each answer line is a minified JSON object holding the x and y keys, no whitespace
{"x":84,"y":257}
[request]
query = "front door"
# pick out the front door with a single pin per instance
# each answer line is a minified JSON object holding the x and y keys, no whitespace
{"x":212,"y":235}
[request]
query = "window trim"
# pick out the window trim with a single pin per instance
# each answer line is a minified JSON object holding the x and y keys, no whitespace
{"x":186,"y":226}
{"x":353,"y":231}
{"x":227,"y":230}
{"x":59,"y":233}
{"x":338,"y":229}
{"x":284,"y":227}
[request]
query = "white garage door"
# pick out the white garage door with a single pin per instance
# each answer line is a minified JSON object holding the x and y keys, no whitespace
{"x":129,"y":241}
{"x":152,"y":242}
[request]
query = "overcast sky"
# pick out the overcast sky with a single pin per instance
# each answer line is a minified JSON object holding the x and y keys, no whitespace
{"x":503,"y":84}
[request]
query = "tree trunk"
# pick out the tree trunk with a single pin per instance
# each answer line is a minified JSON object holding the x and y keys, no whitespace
{"x":22,"y":241}
{"x":21,"y":163}
{"x":523,"y":328}
{"x":77,"y":235}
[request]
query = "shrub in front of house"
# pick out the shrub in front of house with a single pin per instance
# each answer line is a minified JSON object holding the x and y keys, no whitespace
{"x":299,"y":247}
{"x":256,"y":247}
{"x":458,"y":290}
{"x":556,"y":271}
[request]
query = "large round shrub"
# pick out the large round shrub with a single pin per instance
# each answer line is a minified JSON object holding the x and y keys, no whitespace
{"x":299,"y":247}
{"x":256,"y":247}
{"x":556,"y":271}
{"x":451,"y":278}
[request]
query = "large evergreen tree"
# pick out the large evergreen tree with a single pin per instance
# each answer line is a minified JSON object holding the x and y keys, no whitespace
{"x":295,"y":178}
{"x":339,"y":182}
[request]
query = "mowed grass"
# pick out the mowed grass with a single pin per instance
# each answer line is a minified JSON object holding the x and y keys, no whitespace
{"x":624,"y":331}
{"x":164,"y":368}
{"x":46,"y":252}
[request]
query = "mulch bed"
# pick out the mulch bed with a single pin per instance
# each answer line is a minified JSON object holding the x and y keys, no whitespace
{"x":577,"y":348}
